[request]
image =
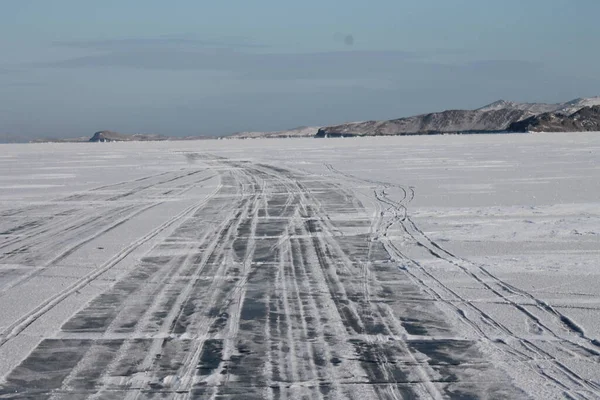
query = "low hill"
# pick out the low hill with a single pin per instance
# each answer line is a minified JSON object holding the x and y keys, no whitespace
{"x":110,"y":136}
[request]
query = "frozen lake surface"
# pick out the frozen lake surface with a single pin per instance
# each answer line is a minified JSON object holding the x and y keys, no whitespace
{"x":404,"y":267}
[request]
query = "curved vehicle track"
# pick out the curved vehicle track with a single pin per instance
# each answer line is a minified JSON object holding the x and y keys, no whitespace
{"x":561,"y":335}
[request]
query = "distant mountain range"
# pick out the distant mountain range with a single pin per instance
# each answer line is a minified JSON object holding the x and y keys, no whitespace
{"x":500,"y":116}
{"x":110,"y":136}
{"x":581,"y":114}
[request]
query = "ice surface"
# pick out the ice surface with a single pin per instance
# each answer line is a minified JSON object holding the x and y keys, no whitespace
{"x":398,"y":267}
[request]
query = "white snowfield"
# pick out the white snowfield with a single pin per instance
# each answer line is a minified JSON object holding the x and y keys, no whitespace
{"x":366,"y":268}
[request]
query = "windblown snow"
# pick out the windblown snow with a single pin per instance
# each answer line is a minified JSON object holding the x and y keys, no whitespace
{"x":367,"y":268}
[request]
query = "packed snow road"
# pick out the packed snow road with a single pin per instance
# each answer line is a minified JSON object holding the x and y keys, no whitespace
{"x":224,"y":276}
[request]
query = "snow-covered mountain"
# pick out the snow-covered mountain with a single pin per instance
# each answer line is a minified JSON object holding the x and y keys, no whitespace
{"x":572,"y":106}
{"x":531,"y":107}
{"x":497,"y":116}
{"x":568,"y":107}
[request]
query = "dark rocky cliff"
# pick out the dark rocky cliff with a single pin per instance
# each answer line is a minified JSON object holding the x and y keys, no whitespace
{"x":585,"y":120}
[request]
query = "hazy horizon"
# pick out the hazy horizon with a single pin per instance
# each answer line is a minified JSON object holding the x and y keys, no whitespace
{"x":70,"y":69}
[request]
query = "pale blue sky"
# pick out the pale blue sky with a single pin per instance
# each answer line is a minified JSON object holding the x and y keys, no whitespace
{"x":71,"y":67}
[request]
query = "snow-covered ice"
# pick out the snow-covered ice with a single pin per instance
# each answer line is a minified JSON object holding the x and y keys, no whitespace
{"x":396,"y":267}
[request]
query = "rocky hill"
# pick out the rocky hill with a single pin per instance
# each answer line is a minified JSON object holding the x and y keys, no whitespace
{"x":110,"y":136}
{"x":496,"y":117}
{"x":586,"y":119}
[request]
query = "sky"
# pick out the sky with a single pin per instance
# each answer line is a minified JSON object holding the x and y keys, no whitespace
{"x":69,"y":68}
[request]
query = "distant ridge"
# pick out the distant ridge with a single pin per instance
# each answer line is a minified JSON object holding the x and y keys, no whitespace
{"x":83,"y":139}
{"x":499,"y":116}
{"x":531,"y":107}
{"x":568,"y":107}
{"x":303,"y":131}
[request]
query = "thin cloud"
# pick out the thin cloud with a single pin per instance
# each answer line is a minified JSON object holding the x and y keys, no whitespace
{"x":8,"y":71}
{"x":343,"y":64}
{"x":158,"y":43}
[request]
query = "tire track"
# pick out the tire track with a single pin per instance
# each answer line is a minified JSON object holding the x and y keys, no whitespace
{"x":278,"y":287}
{"x":100,"y":224}
{"x":354,"y":320}
{"x":38,"y":227}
